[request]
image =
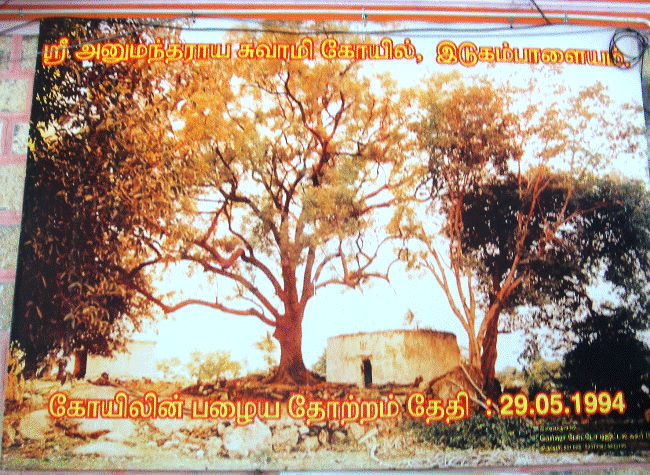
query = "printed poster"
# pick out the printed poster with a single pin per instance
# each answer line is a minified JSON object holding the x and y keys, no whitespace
{"x":331,"y":245}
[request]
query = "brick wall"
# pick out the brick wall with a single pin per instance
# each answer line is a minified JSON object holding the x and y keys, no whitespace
{"x":17,"y":60}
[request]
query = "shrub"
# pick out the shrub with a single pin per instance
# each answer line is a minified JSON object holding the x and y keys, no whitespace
{"x":479,"y":432}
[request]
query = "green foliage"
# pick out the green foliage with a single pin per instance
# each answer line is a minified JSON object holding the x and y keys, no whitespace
{"x":615,"y":236}
{"x":14,"y":381}
{"x":411,"y":321}
{"x":280,"y":169}
{"x":320,"y":367}
{"x":609,"y":357}
{"x":609,"y":244}
{"x":169,"y":367}
{"x":519,"y":231}
{"x":539,"y":375}
{"x":268,"y":347}
{"x":212,"y":366}
{"x":16,"y":359}
{"x":479,"y":432}
{"x":467,"y":130}
{"x":542,"y":376}
{"x":510,"y":377}
{"x":68,"y":295}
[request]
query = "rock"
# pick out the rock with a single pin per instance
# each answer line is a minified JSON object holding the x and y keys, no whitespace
{"x":323,"y":437}
{"x":8,"y":436}
{"x":285,"y":421}
{"x":333,"y":424}
{"x":338,"y":437}
{"x":214,"y":446}
{"x":191,"y":448}
{"x":221,"y":428}
{"x":369,"y":436}
{"x":355,"y":431}
{"x":283,"y":440}
{"x":444,"y":389}
{"x":201,"y":429}
{"x":168,"y":426}
{"x":107,"y":449}
{"x":447,"y":385}
{"x":174,"y":443}
{"x":117,"y":430}
{"x":310,"y":444}
{"x":240,"y":441}
{"x":384,"y":427}
{"x":36,"y":425}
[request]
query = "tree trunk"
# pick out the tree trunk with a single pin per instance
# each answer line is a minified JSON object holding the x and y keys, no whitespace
{"x":291,"y":369}
{"x":30,"y":365}
{"x":288,"y":329}
{"x":80,"y":363}
{"x":491,"y":387}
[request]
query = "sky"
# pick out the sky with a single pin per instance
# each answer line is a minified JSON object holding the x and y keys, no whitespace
{"x":382,"y":305}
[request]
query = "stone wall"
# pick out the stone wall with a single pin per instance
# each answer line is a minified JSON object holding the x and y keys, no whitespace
{"x":17,"y":61}
{"x":396,"y":356}
{"x":17,"y":64}
{"x":138,"y":361}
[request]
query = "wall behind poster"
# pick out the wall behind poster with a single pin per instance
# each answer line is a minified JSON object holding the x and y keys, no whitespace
{"x":17,"y":53}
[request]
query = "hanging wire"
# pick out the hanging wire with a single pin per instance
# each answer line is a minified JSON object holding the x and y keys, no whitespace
{"x":631,"y":60}
{"x":541,"y":12}
{"x":628,"y":59}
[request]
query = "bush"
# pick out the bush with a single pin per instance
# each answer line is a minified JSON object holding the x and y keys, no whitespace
{"x":610,"y":356}
{"x":479,"y":432}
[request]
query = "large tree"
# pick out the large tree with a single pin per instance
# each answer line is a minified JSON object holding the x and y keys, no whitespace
{"x":604,"y":263}
{"x":606,"y":246}
{"x":609,"y":356}
{"x":82,"y":191}
{"x":502,"y":179}
{"x":290,"y":161}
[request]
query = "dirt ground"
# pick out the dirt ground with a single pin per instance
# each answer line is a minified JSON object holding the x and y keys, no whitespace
{"x":52,"y":456}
